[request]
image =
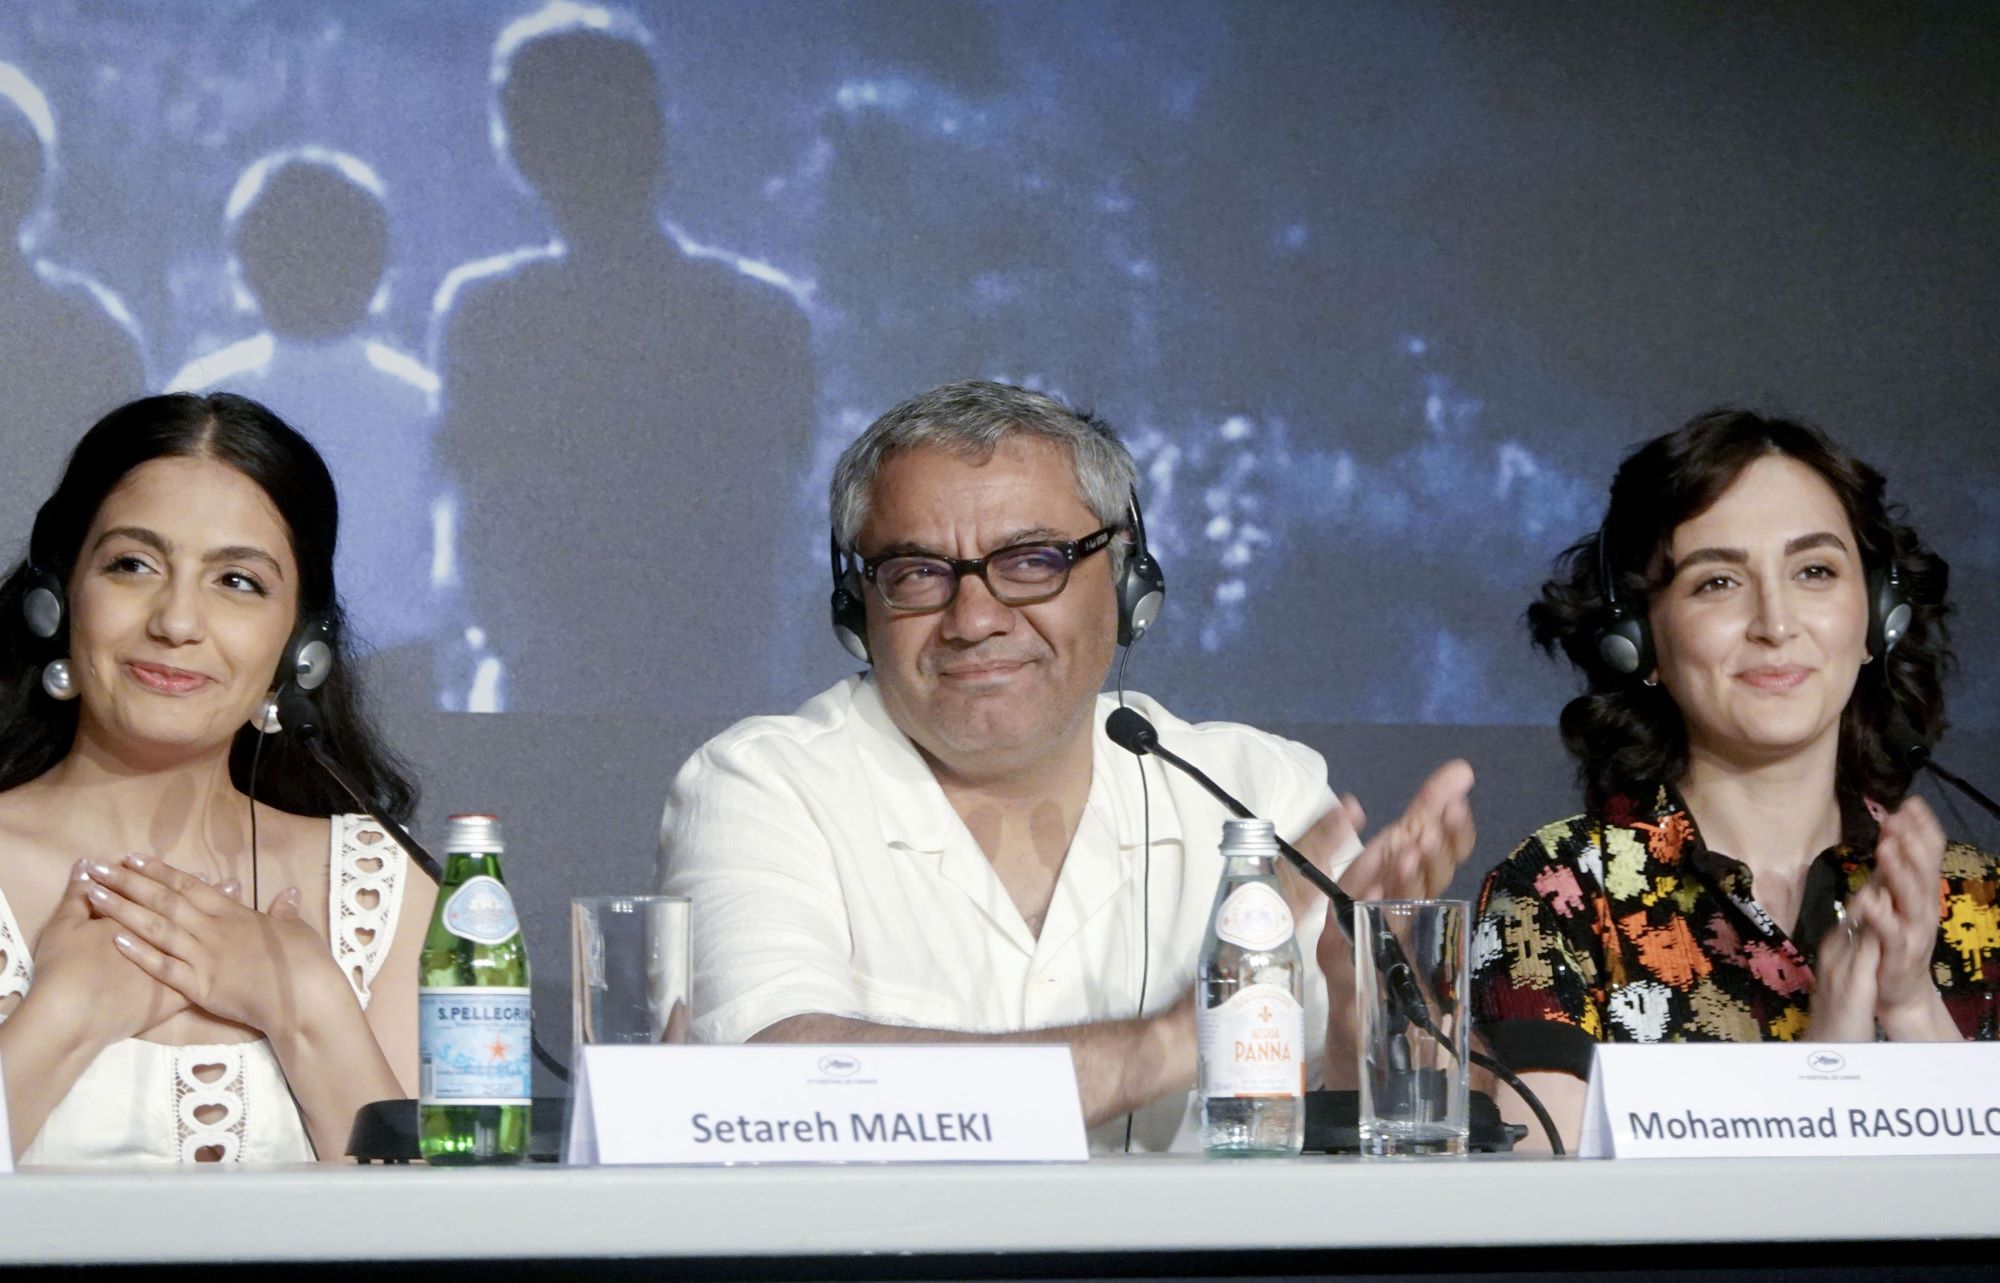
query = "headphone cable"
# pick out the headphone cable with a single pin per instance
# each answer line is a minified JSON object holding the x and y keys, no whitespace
{"x":1146,"y":874}
{"x":256,"y":760}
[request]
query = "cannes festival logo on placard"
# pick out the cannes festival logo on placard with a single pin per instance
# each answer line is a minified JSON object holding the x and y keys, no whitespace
{"x":839,"y":1066}
{"x":1826,"y":1062}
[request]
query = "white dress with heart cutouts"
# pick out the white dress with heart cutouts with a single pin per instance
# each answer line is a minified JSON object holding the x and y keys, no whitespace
{"x":146,"y":1103}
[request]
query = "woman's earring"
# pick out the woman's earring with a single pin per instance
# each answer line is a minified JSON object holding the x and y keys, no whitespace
{"x":57,"y":680}
{"x":1654,"y":680}
{"x":267,"y":717}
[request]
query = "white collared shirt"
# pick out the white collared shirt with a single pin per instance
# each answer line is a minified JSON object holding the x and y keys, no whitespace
{"x":830,"y":875}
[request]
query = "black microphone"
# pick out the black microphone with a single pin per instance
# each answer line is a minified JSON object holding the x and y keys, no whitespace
{"x":297,"y":714}
{"x":1131,"y":731}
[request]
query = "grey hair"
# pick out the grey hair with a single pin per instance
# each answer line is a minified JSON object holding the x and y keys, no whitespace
{"x":971,"y":418}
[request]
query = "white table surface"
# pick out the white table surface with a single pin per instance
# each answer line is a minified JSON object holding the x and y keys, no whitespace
{"x":1149,"y":1203}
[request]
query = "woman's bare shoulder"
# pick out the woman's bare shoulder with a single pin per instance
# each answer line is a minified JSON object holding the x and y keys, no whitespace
{"x":35,"y":857}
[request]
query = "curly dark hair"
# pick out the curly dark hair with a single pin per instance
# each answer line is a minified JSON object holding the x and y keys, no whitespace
{"x":36,"y":731}
{"x":1629,"y":738}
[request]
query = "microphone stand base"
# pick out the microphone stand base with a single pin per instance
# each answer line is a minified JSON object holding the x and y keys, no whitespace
{"x":1333,"y":1124}
{"x":386,"y":1131}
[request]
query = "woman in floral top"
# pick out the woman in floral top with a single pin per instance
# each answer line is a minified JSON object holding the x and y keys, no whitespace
{"x":1770,"y":651}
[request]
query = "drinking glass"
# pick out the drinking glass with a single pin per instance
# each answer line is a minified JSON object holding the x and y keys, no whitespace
{"x":1411,"y":983}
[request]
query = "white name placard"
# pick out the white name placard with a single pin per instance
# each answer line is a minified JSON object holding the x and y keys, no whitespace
{"x":1686,"y":1100}
{"x":796,"y":1103}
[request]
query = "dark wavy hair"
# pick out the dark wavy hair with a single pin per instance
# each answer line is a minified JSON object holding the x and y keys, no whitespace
{"x":36,"y":732}
{"x":1629,"y":738}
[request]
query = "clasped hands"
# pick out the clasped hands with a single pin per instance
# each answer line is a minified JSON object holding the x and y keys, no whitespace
{"x":187,"y":943}
{"x":1874,"y":965}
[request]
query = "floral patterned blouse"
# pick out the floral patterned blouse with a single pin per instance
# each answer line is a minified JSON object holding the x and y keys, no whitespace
{"x":1627,"y":928}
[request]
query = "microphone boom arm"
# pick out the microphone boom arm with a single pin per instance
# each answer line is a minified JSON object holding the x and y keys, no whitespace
{"x":425,"y":860}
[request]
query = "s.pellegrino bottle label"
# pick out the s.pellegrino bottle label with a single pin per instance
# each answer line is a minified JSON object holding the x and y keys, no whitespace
{"x":476,"y":1048}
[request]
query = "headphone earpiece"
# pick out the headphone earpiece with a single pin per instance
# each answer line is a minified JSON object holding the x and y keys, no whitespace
{"x":1624,"y":642}
{"x":850,"y":612}
{"x":308,"y":657}
{"x":1142,"y":585}
{"x":1889,"y":612}
{"x":42,"y":606}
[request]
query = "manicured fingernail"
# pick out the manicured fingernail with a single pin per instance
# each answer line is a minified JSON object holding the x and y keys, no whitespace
{"x":97,"y":868}
{"x":98,"y":895}
{"x":81,"y":872}
{"x":230,"y":888}
{"x":137,"y":861}
{"x":290,"y":895}
{"x":124,"y":941}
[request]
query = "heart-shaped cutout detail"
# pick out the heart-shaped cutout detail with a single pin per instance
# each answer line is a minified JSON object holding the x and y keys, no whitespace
{"x":210,"y":1115}
{"x":209,"y":1073}
{"x":369,"y":864}
{"x":364,"y":936}
{"x":370,"y":900}
{"x":208,"y":1154}
{"x":368,"y":837}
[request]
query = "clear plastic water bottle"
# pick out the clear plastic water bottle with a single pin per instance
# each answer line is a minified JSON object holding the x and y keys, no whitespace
{"x":473,"y":1041}
{"x":1249,"y":1009}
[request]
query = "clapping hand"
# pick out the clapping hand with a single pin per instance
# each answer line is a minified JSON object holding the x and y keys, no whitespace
{"x":1875,"y":966}
{"x":1413,"y":858}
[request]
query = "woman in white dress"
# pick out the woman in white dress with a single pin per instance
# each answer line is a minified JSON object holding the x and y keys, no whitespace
{"x":186,"y":974}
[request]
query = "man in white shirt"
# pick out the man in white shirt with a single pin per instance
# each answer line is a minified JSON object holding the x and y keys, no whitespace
{"x":948,"y":847}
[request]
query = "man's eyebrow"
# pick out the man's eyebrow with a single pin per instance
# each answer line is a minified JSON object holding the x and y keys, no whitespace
{"x":247,"y":552}
{"x":137,"y":534}
{"x":904,"y":549}
{"x":1031,"y":534}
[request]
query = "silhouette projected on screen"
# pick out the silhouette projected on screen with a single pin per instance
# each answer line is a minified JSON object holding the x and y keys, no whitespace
{"x":68,"y":348}
{"x":309,"y":231}
{"x":623,"y":416}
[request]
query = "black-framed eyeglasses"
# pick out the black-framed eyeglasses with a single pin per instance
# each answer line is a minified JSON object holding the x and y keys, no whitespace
{"x":1018,"y":575}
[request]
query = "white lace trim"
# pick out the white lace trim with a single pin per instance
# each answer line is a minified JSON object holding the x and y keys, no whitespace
{"x":17,"y":969}
{"x":226,"y":1130}
{"x":366,"y":872}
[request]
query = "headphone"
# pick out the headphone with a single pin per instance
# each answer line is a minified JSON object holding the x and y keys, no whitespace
{"x":1625,"y":642}
{"x":1141,"y":589}
{"x":305,"y":665}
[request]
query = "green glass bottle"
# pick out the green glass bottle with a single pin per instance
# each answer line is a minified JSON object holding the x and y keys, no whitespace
{"x":473,"y":1013}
